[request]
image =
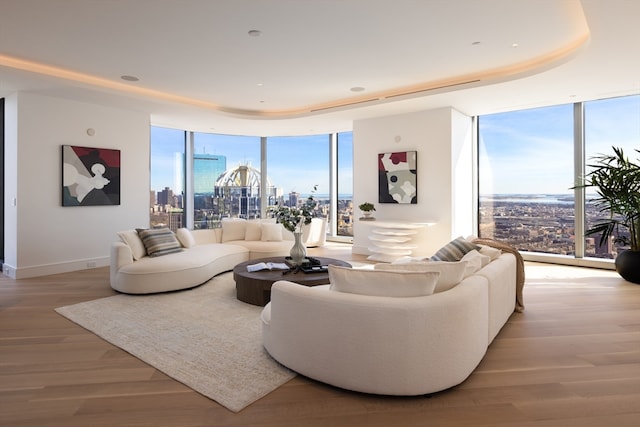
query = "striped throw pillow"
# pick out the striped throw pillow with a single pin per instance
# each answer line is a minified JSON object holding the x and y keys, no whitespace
{"x":454,"y":250}
{"x":159,"y":241}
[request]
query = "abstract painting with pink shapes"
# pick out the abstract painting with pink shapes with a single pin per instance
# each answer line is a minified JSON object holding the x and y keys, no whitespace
{"x":397,"y":177}
{"x":90,"y":176}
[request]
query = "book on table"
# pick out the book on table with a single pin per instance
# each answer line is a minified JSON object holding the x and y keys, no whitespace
{"x":267,"y":266}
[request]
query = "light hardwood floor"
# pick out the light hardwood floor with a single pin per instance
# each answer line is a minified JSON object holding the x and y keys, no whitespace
{"x":571,"y":359}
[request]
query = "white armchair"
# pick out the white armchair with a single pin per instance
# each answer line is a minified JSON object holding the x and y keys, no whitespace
{"x":315,"y":234}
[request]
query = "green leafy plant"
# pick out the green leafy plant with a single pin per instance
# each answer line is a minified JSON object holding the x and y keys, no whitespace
{"x":617,"y":183}
{"x":367,"y":207}
{"x":293,"y":218}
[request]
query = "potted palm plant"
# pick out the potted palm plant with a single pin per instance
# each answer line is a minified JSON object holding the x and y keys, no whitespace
{"x":616,"y":180}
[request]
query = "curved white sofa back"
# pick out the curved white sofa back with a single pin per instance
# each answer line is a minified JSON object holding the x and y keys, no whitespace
{"x":181,"y":270}
{"x":382,"y":345}
{"x":501,"y":275}
{"x":192,"y":266}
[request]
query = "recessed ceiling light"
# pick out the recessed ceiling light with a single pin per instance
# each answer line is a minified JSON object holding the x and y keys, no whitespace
{"x":260,"y":84}
{"x":514,"y":45}
{"x":129,"y":78}
{"x":357,"y":89}
{"x":255,"y":33}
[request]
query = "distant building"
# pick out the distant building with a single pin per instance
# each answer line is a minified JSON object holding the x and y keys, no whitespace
{"x":603,"y":250}
{"x":165,"y":196}
{"x":207,"y":168}
{"x":237,"y":193}
{"x":293,"y":199}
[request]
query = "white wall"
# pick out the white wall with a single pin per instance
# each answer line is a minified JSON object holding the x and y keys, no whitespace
{"x":41,"y":236}
{"x":443,"y":140}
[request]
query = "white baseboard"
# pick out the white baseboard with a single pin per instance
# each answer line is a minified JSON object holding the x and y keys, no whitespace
{"x":604,"y":264}
{"x":57,"y":268}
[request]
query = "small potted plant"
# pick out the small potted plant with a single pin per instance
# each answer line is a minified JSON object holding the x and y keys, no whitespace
{"x":367,"y":210}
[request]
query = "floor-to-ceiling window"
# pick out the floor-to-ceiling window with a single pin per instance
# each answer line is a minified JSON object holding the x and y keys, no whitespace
{"x":608,"y":123}
{"x":167,"y":178}
{"x":298,"y":166}
{"x":527,"y":167}
{"x":200,"y":178}
{"x":344,"y":217}
{"x":226,"y":178}
{"x":525,"y":179}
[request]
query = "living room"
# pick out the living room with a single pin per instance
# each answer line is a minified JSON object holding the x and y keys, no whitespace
{"x":47,"y":245}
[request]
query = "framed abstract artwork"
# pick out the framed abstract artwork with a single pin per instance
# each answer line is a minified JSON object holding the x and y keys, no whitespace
{"x":397,"y":177}
{"x":90,"y":176}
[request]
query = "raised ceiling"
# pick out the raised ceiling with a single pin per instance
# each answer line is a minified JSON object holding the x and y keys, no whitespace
{"x":286,"y":67}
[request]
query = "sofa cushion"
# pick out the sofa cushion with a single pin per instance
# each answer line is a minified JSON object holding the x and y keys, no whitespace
{"x":233,"y":229}
{"x":159,"y":241}
{"x":271,"y":232}
{"x":382,"y":283}
{"x":253,"y":231}
{"x":475,"y":261}
{"x":451,"y":273}
{"x":454,"y":250}
{"x":260,"y":249}
{"x":492,"y":253}
{"x":185,"y":237}
{"x":133,"y":240}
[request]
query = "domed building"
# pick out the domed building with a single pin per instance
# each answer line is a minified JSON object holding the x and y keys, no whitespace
{"x":237,"y":193}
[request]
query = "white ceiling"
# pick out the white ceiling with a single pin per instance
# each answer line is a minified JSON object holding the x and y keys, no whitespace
{"x":199,"y":68}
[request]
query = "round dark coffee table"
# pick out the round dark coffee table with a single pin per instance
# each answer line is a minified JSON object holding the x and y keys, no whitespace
{"x":255,"y":288}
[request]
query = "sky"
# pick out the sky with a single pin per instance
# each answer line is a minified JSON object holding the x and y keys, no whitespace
{"x":293,"y":163}
{"x":531,"y":151}
{"x":521,"y":152}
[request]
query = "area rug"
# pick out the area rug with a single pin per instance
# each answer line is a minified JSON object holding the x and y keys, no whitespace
{"x":204,"y":337}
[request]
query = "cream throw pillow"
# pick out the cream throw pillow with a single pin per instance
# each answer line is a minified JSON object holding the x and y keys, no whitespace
{"x":185,"y":237}
{"x":492,"y":253}
{"x":133,"y":240}
{"x":451,"y":273}
{"x":475,"y":261}
{"x":233,"y":229}
{"x":253,"y":231}
{"x":382,"y":283}
{"x":271,"y":232}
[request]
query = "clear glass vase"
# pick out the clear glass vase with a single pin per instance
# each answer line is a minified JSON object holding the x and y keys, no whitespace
{"x":298,"y":251}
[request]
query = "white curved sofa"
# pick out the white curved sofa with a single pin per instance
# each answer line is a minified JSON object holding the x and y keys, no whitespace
{"x":390,"y":345}
{"x":202,"y":255}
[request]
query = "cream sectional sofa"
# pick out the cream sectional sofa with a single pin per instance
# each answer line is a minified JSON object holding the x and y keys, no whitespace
{"x":393,"y":345}
{"x":196,"y":257}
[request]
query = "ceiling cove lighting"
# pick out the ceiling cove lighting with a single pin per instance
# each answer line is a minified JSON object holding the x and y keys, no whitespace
{"x":508,"y":72}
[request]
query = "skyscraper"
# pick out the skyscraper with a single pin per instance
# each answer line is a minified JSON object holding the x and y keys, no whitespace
{"x":293,"y":199}
{"x":207,"y":168}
